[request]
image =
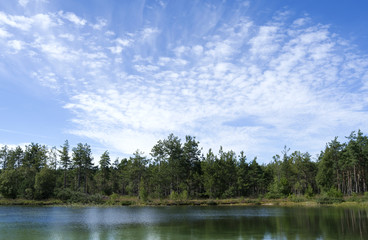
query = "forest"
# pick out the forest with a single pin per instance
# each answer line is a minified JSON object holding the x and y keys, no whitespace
{"x":178,"y":169}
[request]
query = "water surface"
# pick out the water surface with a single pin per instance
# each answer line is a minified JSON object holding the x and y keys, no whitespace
{"x":182,"y":223}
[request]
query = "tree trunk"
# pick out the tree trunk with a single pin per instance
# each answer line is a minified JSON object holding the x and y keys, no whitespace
{"x":79,"y":178}
{"x":85,"y":182}
{"x":355,"y":179}
{"x":64,"y":178}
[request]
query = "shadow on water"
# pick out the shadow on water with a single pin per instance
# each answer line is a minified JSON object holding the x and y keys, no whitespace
{"x":183,"y":223}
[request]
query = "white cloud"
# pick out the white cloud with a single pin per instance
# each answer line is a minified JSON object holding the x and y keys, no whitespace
{"x":4,"y":33}
{"x":116,"y":49}
{"x":16,"y":45}
{"x":181,"y":50}
{"x":55,"y":50}
{"x":123,"y":42}
{"x":148,"y":33}
{"x":266,"y":42}
{"x":197,"y":50}
{"x":109,"y":33}
{"x":43,"y":21}
{"x":67,"y":36}
{"x":73,"y":18}
{"x":20,"y":22}
{"x":47,"y":79}
{"x":146,"y":68}
{"x":100,"y":24}
{"x":120,"y":44}
{"x":23,"y":3}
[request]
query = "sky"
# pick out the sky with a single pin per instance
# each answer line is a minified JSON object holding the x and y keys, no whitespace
{"x":250,"y":76}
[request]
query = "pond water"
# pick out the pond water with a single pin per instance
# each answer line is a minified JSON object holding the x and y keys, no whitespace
{"x":182,"y":223}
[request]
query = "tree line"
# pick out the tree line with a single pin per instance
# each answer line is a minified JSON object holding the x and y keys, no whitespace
{"x":180,"y":170}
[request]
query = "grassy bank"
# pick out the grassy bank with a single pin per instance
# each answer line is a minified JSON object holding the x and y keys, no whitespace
{"x":117,"y":200}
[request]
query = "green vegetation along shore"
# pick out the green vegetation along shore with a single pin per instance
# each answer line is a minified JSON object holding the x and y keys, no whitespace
{"x":178,"y":172}
{"x":116,"y":200}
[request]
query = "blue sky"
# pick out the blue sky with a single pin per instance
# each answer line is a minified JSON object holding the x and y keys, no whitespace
{"x":245,"y":75}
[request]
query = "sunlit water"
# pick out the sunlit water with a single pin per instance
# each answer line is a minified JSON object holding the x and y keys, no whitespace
{"x":182,"y":223}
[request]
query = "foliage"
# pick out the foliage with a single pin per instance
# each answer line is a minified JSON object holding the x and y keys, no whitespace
{"x":143,"y":195}
{"x":8,"y":187}
{"x":44,"y":183}
{"x":331,"y":196}
{"x":179,"y":171}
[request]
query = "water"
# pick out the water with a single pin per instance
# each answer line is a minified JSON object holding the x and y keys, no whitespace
{"x":182,"y":223}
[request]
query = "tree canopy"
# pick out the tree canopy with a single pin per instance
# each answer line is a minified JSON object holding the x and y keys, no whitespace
{"x":180,"y":169}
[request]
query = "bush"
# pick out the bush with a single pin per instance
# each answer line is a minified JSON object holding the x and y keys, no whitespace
{"x":229,"y":193}
{"x":184,"y":195}
{"x":309,"y":192}
{"x":63,"y":194}
{"x":354,"y":198}
{"x":113,"y":199}
{"x":273,"y":195}
{"x":365,"y":197}
{"x":334,"y":193}
{"x":330,"y":197}
{"x":143,"y":195}
{"x":28,"y":193}
{"x":70,"y":196}
{"x":297,"y":198}
{"x":174,"y":195}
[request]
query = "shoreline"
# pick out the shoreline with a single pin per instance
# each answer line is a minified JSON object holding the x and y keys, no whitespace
{"x":131,"y":201}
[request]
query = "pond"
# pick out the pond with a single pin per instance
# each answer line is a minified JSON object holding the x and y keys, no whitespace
{"x":230,"y":222}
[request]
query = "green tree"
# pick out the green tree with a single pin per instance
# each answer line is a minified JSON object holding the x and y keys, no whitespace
{"x":357,"y":161}
{"x":226,"y":174}
{"x":142,"y":191}
{"x":35,"y":156}
{"x":44,"y":183}
{"x":34,"y":159}
{"x":15,"y":158}
{"x":4,"y":157}
{"x":8,"y":183}
{"x":82,"y":159}
{"x":136,"y":171}
{"x":104,"y":173}
{"x":255,"y":174}
{"x":192,"y":166}
{"x":168,"y":154}
{"x":329,"y":166}
{"x":209,"y":178}
{"x":242,"y":174}
{"x":65,"y":159}
{"x":53,"y":158}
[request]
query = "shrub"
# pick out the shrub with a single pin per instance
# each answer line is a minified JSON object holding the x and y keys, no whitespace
{"x":273,"y":195}
{"x":365,"y":197}
{"x":63,"y":194}
{"x":334,"y":193}
{"x":330,"y":197}
{"x":297,"y":198}
{"x":309,"y":192}
{"x":184,"y":195}
{"x":113,"y":199}
{"x":70,"y":196}
{"x":28,"y":193}
{"x":143,"y":195}
{"x":174,"y":195}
